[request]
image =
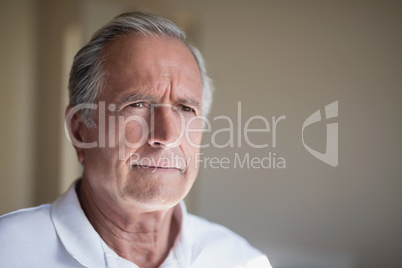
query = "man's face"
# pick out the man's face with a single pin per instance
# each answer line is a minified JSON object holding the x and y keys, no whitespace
{"x":152,"y":91}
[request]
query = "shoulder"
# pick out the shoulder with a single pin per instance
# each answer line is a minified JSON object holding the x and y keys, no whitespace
{"x":28,"y":239}
{"x":220,"y":243}
{"x":25,"y":217}
{"x":25,"y":226}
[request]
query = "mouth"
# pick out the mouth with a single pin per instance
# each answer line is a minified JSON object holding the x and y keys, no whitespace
{"x":158,"y":163}
{"x":154,"y":169}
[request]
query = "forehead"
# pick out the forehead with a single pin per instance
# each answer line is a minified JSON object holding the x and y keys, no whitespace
{"x":147,"y":62}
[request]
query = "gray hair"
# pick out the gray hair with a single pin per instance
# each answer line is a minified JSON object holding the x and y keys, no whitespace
{"x":87,"y":75}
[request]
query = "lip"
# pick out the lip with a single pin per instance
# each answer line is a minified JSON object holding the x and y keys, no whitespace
{"x":154,"y":169}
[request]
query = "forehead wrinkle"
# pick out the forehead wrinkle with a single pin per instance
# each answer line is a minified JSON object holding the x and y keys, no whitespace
{"x":172,"y":84}
{"x":153,"y":86}
{"x":134,"y":68}
{"x":181,"y":92}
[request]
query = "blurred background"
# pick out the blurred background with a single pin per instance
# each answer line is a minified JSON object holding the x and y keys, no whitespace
{"x":278,"y":58}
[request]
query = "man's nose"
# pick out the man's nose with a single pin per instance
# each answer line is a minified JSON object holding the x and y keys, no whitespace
{"x":166,"y":127}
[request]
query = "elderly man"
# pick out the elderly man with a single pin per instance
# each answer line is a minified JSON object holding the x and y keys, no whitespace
{"x":138,"y":94}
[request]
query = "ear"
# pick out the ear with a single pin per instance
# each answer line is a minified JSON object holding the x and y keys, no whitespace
{"x":75,"y":128}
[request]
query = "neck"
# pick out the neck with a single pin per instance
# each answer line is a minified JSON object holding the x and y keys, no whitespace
{"x":143,"y":238}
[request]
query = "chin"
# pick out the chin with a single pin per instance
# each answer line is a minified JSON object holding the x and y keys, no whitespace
{"x":155,"y":198}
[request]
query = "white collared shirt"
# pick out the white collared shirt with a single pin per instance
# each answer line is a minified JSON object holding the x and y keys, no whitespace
{"x":59,"y":235}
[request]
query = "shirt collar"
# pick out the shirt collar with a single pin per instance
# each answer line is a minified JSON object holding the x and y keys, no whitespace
{"x":84,"y":244}
{"x":185,"y":250}
{"x":76,"y":233}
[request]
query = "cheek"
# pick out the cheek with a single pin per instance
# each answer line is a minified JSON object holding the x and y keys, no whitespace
{"x":134,"y":132}
{"x":127,"y":135}
{"x":191,"y":145}
{"x":99,"y":163}
{"x":193,"y":135}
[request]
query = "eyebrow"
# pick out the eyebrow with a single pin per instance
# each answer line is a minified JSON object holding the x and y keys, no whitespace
{"x":191,"y":102}
{"x":133,"y":97}
{"x":139,"y":96}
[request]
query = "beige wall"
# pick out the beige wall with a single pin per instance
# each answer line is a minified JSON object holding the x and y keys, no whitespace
{"x":278,"y":58}
{"x":292,"y":58}
{"x":17,"y":85}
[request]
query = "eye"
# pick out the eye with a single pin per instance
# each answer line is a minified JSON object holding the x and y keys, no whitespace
{"x":187,"y":109}
{"x":136,"y":105}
